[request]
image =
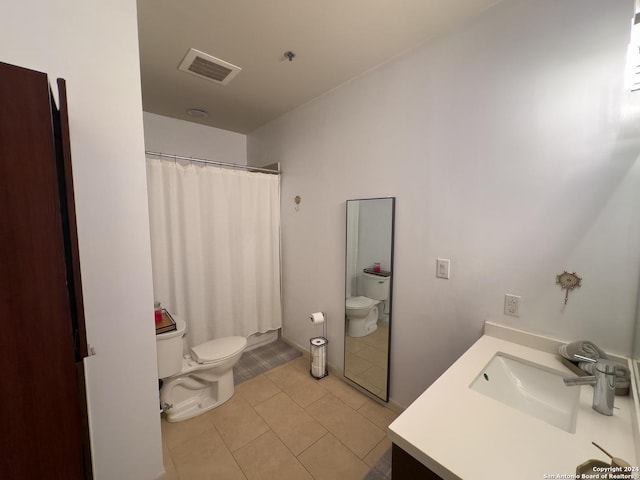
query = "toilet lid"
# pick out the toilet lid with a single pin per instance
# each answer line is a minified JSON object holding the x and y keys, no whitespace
{"x":218,"y":349}
{"x":359,"y":302}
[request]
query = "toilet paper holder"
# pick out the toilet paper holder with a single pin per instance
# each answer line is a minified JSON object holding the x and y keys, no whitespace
{"x":318,"y":348}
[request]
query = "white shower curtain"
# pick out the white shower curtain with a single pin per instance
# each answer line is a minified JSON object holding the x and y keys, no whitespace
{"x":215,"y":247}
{"x":353,"y":223}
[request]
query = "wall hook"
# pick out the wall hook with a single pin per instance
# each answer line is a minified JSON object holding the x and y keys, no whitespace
{"x":289,"y":55}
{"x":297,"y":201}
{"x":568,"y":281}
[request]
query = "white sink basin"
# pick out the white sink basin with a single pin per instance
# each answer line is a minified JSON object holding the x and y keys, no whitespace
{"x":533,"y":389}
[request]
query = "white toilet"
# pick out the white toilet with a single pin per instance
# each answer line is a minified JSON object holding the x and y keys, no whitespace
{"x":197,"y":382}
{"x":363,"y":311}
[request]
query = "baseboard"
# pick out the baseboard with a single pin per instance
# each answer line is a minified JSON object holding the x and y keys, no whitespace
{"x":304,"y":351}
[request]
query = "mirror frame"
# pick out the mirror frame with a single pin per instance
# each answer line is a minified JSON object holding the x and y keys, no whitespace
{"x":362,"y":388}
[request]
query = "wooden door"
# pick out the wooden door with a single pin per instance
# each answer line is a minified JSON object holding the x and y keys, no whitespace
{"x":42,"y":413}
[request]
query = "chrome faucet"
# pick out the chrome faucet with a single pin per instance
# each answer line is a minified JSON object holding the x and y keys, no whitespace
{"x":604,"y":383}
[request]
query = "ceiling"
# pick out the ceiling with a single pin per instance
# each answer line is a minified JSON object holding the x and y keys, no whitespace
{"x":334,"y":41}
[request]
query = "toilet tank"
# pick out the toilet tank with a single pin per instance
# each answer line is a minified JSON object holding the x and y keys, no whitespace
{"x":376,"y":286}
{"x":169,"y":349}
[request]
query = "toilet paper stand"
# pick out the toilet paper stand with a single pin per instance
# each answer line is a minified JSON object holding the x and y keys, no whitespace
{"x":318,"y":348}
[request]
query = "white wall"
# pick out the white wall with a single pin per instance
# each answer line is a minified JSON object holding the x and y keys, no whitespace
{"x":94,"y":46}
{"x":511,"y":148}
{"x":177,"y":137}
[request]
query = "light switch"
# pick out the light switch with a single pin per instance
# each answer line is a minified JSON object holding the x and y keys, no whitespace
{"x":443,"y":268}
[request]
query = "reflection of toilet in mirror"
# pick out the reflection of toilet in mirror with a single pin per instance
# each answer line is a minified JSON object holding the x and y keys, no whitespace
{"x":363,"y":311}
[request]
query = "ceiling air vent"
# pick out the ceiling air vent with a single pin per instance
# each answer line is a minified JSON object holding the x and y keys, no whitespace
{"x":206,"y":66}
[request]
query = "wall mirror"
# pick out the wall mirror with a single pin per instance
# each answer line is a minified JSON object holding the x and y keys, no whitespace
{"x":368,"y":293}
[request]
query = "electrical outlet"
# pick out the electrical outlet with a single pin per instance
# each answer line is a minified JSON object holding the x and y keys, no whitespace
{"x":512,"y":305}
{"x":443,"y":266}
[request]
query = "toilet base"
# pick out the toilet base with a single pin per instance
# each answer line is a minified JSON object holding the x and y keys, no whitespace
{"x":358,"y":326}
{"x":189,"y":396}
{"x":361,"y":327}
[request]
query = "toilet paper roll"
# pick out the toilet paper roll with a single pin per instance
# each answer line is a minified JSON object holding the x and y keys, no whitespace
{"x":318,"y":357}
{"x":317,"y":318}
{"x":318,"y":341}
{"x":318,"y":361}
{"x":318,"y":366}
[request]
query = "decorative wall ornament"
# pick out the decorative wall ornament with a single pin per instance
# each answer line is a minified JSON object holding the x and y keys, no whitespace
{"x":568,"y":281}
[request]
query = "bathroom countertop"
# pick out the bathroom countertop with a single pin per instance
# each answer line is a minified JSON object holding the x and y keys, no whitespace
{"x":459,"y":433}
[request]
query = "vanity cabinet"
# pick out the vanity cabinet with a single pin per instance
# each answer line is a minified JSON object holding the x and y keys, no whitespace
{"x":44,"y":431}
{"x":405,"y":467}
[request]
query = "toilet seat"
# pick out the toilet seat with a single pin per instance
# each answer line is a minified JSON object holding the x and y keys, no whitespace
{"x":218,"y":350}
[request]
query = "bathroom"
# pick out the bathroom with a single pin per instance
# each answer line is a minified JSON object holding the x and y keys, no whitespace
{"x":421,"y":128}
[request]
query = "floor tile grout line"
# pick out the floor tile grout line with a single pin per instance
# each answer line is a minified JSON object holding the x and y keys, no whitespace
{"x":224,"y":442}
{"x":340,"y":442}
{"x":374,"y":447}
{"x":266,"y":399}
{"x":302,"y":464}
{"x":348,"y":449}
{"x":270,"y":427}
{"x":336,"y":438}
{"x":212,"y":427}
{"x":305,"y":411}
{"x":326,"y":427}
{"x":327,"y":432}
{"x":246,"y":475}
{"x":172,"y":463}
{"x":287,"y":447}
{"x":385,"y":429}
{"x":170,"y":448}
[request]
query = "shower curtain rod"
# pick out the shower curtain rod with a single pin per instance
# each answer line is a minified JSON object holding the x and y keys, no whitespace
{"x":215,"y":162}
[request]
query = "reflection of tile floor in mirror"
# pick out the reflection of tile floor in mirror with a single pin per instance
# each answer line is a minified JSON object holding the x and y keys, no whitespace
{"x":281,"y":425}
{"x":366,"y":359}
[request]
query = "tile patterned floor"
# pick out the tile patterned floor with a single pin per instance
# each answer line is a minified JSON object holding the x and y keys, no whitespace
{"x":281,"y":425}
